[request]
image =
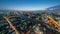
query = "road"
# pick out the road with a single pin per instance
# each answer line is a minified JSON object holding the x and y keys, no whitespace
{"x":11,"y":25}
{"x":52,"y":21}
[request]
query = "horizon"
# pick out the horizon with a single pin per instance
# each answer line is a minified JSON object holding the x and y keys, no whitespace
{"x":28,"y":4}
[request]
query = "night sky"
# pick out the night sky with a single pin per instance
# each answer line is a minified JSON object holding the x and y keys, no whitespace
{"x":28,"y":4}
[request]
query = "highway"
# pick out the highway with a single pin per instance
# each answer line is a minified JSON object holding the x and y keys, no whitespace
{"x":52,"y":22}
{"x":11,"y":25}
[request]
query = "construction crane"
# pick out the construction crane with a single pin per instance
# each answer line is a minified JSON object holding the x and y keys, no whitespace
{"x":53,"y":23}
